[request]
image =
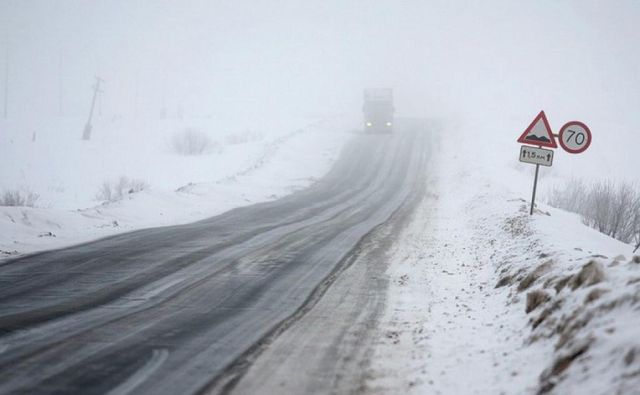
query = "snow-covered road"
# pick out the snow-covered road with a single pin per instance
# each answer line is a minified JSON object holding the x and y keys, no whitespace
{"x":171,"y":310}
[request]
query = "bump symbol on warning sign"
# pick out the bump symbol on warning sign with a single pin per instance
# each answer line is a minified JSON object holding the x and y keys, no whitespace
{"x":539,"y":133}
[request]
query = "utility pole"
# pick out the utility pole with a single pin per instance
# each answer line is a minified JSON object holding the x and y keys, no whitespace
{"x":60,"y":86}
{"x":6,"y":83}
{"x":137,"y":95}
{"x":86,"y":135}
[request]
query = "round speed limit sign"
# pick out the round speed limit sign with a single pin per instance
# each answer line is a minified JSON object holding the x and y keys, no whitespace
{"x":575,"y":137}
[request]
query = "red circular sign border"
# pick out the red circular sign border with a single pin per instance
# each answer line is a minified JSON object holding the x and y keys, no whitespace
{"x":586,"y":129}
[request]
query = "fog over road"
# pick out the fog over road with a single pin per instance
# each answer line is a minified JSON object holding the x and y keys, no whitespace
{"x":176,"y":310}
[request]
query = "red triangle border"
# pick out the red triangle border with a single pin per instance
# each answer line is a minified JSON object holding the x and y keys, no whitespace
{"x":551,"y":144}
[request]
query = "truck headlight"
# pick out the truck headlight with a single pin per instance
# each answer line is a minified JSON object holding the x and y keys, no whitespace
{"x":388,"y":123}
{"x":369,"y":124}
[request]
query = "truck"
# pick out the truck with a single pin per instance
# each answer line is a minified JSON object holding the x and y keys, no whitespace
{"x":378,"y":110}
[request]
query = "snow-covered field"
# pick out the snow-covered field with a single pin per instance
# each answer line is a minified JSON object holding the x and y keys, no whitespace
{"x":487,"y":300}
{"x":66,"y":174}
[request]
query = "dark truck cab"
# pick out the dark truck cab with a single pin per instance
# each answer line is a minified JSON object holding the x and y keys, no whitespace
{"x":378,"y":110}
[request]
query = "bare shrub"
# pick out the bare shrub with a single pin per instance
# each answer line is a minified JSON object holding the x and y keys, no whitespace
{"x":613,"y":209}
{"x":242,"y":137}
{"x":19,"y":198}
{"x":571,"y":196}
{"x":112,"y":191}
{"x":636,"y":233}
{"x":191,"y":142}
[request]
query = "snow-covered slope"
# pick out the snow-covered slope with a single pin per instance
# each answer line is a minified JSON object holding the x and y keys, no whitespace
{"x":486,"y":299}
{"x":239,"y":167}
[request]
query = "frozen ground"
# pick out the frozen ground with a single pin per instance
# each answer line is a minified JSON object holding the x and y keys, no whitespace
{"x":485,"y":299}
{"x":239,"y":167}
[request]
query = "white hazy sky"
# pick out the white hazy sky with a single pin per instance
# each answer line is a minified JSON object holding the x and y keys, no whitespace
{"x":502,"y":60}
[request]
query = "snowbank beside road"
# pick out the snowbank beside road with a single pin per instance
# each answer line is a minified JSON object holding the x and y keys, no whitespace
{"x":485,"y":299}
{"x":240,"y":168}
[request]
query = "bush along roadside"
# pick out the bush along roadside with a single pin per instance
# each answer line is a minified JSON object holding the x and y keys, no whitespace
{"x":113,"y":191}
{"x":18,"y":198}
{"x":611,"y":208}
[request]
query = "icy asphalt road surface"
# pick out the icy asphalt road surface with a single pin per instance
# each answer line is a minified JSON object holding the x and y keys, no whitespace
{"x":172,"y":310}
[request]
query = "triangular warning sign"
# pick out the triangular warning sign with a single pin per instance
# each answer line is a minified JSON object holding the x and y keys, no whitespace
{"x":539,"y":133}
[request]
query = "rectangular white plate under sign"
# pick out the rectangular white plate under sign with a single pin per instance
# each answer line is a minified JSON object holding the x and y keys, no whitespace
{"x":536,"y":156}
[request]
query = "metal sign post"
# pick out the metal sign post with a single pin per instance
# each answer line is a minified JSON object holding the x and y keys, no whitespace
{"x":538,"y":157}
{"x":535,"y":187}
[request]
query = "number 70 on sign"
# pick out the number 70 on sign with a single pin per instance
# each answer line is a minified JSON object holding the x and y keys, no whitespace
{"x":575,"y":137}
